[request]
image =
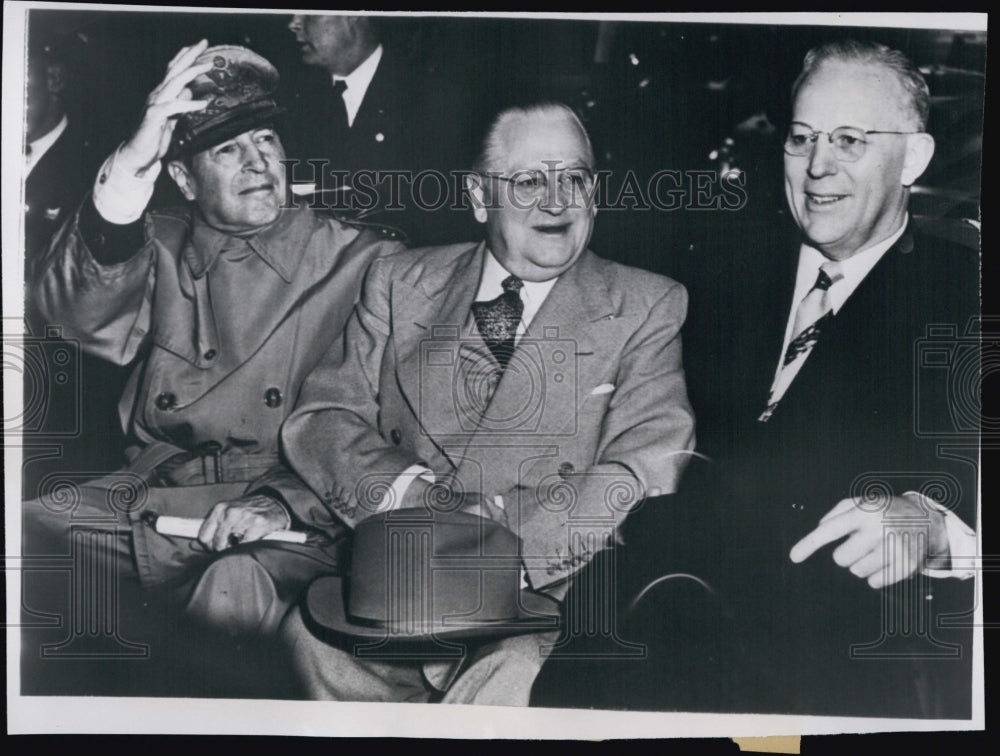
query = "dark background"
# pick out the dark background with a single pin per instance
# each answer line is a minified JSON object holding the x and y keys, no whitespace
{"x":653,"y":95}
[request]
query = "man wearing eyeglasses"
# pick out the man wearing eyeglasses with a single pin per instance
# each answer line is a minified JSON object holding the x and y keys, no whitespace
{"x":844,"y":475}
{"x":523,"y":379}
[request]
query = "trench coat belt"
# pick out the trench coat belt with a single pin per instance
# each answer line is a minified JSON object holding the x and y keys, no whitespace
{"x":164,"y":464}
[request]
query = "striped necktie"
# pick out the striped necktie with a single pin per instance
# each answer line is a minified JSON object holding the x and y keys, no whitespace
{"x":813,"y":315}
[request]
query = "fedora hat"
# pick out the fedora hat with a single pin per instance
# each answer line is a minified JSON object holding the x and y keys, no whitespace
{"x":240,"y":91}
{"x":418,"y":575}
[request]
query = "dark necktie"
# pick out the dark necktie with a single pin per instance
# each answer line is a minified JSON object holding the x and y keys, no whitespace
{"x":338,"y":109}
{"x":498,"y":319}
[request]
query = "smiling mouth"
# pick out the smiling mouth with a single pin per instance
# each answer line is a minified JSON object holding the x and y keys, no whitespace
{"x":824,"y":199}
{"x":553,"y":230}
{"x":256,"y":189}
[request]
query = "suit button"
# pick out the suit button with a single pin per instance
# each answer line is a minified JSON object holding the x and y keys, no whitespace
{"x":566,"y":469}
{"x":396,"y":436}
{"x":272,"y":397}
{"x":166,"y":401}
{"x":210,"y":354}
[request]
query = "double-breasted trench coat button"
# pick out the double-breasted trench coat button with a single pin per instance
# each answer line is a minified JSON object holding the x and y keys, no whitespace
{"x":272,"y":397}
{"x":396,"y":436}
{"x":566,"y":469}
{"x":166,"y":401}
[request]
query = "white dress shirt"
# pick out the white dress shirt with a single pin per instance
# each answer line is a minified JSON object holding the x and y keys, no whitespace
{"x":41,"y":145}
{"x":533,"y":293}
{"x":357,"y":83}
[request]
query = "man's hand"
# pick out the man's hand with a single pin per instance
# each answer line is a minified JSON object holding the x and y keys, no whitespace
{"x":868,"y":552}
{"x":231,"y":523}
{"x":171,"y":98}
{"x":440,"y":497}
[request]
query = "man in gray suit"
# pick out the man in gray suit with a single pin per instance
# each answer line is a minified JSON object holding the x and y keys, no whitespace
{"x":524,"y":379}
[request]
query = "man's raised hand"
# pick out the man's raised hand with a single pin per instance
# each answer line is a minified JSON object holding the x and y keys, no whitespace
{"x":169,"y":99}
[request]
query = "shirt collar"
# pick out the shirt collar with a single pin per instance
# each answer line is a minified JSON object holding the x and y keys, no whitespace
{"x":41,"y":145}
{"x":854,"y":268}
{"x":533,"y":293}
{"x":358,"y":82}
{"x":280,"y":245}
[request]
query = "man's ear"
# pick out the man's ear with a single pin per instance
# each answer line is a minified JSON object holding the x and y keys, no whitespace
{"x":55,"y":78}
{"x":183,"y":178}
{"x":919,"y":151}
{"x":474,"y":188}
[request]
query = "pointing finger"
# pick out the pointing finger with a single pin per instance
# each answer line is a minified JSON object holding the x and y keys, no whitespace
{"x":826,"y":532}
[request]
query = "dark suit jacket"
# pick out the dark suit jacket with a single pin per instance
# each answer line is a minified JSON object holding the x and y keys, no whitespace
{"x":54,"y":189}
{"x":887,"y":386}
{"x":867,"y":412}
{"x":409,"y":120}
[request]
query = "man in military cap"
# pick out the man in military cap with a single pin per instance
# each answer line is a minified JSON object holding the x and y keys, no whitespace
{"x":223,"y":307}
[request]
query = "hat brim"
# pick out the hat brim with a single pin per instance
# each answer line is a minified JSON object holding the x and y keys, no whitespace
{"x":325,"y":613}
{"x":226,"y":129}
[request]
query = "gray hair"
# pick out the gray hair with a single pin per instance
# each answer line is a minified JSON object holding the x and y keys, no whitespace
{"x":875,"y":54}
{"x":491,"y":151}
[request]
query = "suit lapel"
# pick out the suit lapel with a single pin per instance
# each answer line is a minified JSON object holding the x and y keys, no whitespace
{"x":430,"y":340}
{"x":850,"y":334}
{"x":564,"y":354}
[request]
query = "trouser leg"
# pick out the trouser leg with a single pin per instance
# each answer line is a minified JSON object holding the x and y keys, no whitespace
{"x":501,"y":673}
{"x":329,"y":672}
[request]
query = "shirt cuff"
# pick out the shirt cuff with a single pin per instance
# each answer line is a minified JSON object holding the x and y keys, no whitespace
{"x":120,"y":194}
{"x":394,"y":496}
{"x":961,"y":541}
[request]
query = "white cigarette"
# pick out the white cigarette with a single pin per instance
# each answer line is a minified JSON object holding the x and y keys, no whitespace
{"x":188,"y":527}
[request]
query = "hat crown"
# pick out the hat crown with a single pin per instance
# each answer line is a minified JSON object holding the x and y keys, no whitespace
{"x":412,"y":572}
{"x":238,"y":75}
{"x":239,"y":89}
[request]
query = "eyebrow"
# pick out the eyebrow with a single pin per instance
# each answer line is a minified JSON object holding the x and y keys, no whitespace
{"x":580,"y":167}
{"x":841,"y":126}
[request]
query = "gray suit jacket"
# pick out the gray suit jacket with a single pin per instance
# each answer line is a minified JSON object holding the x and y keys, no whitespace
{"x":590,"y":416}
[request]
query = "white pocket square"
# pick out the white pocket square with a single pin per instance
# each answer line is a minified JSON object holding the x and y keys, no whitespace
{"x":604,"y":388}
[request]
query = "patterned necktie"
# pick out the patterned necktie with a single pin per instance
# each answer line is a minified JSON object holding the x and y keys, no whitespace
{"x":498,"y":319}
{"x":813,"y":315}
